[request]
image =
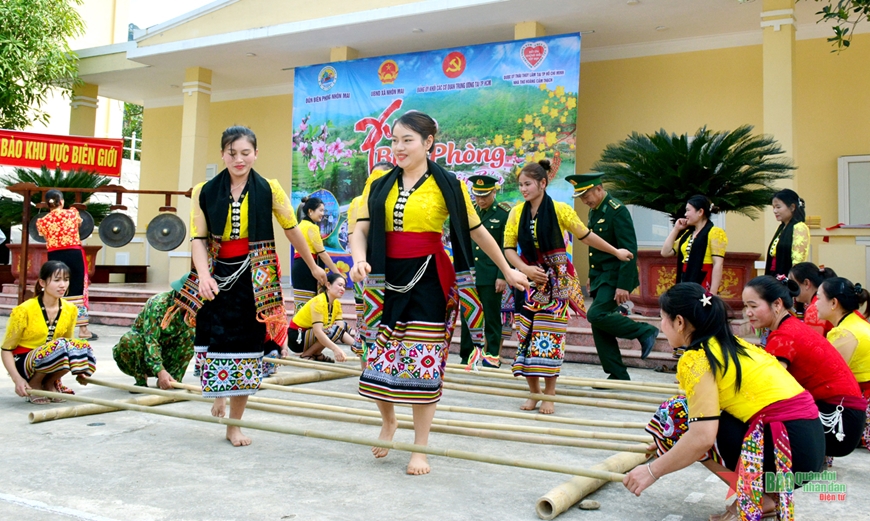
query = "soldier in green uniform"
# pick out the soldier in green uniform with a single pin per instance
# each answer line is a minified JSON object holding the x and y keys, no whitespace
{"x":488,"y":279}
{"x":152,"y":349}
{"x":611,"y":281}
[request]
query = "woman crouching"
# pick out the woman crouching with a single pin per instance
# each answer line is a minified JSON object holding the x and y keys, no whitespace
{"x":748,"y":414}
{"x":39,"y":349}
{"x":318,"y":325}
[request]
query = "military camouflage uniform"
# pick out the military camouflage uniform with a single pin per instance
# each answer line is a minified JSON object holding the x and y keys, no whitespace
{"x":148,"y":348}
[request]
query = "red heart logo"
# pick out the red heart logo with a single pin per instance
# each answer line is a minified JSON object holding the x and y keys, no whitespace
{"x":533,"y":53}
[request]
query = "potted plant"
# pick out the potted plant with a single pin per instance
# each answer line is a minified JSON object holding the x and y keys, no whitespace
{"x":660,"y":171}
{"x":12,"y":210}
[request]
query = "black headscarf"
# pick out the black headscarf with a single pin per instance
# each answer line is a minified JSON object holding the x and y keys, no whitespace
{"x":215,"y":199}
{"x":547,"y":226}
{"x":785,"y":232}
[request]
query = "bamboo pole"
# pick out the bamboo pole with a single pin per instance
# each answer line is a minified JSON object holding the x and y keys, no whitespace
{"x":471,"y":410}
{"x":75,"y":411}
{"x":569,"y":493}
{"x":518,"y":386}
{"x":590,"y":402}
{"x":569,"y":433}
{"x":630,"y":385}
{"x":281,"y":429}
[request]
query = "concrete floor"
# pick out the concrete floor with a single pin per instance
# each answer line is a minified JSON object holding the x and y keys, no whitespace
{"x":139,"y":467}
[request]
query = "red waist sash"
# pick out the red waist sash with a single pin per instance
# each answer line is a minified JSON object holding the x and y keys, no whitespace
{"x":410,"y":245}
{"x":20,"y":350}
{"x":234,"y":248}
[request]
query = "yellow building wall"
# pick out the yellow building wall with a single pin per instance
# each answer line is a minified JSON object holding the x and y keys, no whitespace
{"x":248,"y":14}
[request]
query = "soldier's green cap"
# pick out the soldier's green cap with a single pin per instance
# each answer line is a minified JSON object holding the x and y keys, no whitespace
{"x":482,"y":184}
{"x":178,"y":284}
{"x":583,"y":182}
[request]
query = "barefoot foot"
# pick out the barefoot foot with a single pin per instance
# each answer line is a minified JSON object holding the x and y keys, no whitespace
{"x":547,"y":408}
{"x":529,"y":405}
{"x":387,"y":431}
{"x":418,"y":464}
{"x":235,"y":436}
{"x":219,"y":408}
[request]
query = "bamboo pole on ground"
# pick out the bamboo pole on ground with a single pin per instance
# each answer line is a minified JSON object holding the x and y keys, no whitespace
{"x":344,"y":414}
{"x":75,"y":411}
{"x":470,"y":410}
{"x":519,"y":386}
{"x":590,"y":402}
{"x":569,"y":493}
{"x":407,"y":447}
{"x":569,"y":433}
{"x":616,"y":385}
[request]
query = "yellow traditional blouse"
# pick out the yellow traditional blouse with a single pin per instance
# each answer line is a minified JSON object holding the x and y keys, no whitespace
{"x":569,"y":221}
{"x":352,"y":211}
{"x":60,"y":229}
{"x":763,"y":381}
{"x":316,"y":311}
{"x":27,"y":327}
{"x":311,"y":232}
{"x":717,"y":242}
{"x":281,"y":209}
{"x":854,"y":332}
{"x":800,"y":244}
{"x":425,"y":210}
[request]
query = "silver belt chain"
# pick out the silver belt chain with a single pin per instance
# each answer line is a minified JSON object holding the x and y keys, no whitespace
{"x":226,"y":283}
{"x":409,"y":286}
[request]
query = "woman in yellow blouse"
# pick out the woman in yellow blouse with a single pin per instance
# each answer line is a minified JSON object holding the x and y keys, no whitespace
{"x":413,"y":293}
{"x":791,"y":241}
{"x":39,"y":349}
{"x":304,"y":284}
{"x":318,"y":325}
{"x":838,"y":303}
{"x":700,"y":249}
{"x":235,"y":293}
{"x":538,"y":225}
{"x":61,"y":231}
{"x":737,"y":398}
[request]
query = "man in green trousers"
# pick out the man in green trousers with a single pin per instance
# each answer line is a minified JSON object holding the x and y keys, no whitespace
{"x":488,"y":279}
{"x":611,"y":281}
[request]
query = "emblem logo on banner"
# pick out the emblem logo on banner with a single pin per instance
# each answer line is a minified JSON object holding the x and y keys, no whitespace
{"x":533,"y":54}
{"x":327,"y":77}
{"x":388,"y":72}
{"x":454,"y":64}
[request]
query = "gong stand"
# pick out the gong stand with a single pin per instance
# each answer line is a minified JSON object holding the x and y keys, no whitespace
{"x":27,"y":190}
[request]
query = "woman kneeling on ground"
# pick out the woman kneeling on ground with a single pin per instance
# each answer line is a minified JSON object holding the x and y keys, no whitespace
{"x":811,"y":359}
{"x":736,"y":396}
{"x":39,"y":348}
{"x":318,"y":325}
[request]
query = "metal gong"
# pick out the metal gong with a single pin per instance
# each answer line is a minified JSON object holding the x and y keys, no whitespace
{"x":86,"y":228}
{"x":166,"y":232}
{"x":117,"y":230}
{"x":31,"y":228}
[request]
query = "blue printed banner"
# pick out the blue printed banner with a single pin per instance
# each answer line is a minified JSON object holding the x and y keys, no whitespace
{"x":497,"y":106}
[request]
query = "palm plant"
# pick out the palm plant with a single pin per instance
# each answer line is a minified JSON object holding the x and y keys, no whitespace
{"x":11,"y":210}
{"x":660,"y":171}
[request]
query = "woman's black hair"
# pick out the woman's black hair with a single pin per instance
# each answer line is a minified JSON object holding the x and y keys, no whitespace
{"x":331,"y":277}
{"x":804,"y":271}
{"x":421,"y":123}
{"x":702,"y":202}
{"x":310,"y":204}
{"x":53,"y":198}
{"x":771,"y":288}
{"x":849,"y":295}
{"x":789,"y":198}
{"x":46,"y":272}
{"x":538,"y":171}
{"x":383,"y":165}
{"x":709,"y":317}
{"x":235,"y":132}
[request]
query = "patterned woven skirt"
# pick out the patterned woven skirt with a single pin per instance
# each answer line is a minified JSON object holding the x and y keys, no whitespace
{"x":406,"y":362}
{"x":541,"y":331}
{"x":77,"y":293}
{"x":61,"y":354}
{"x":229,"y":339}
{"x":304,"y":283}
